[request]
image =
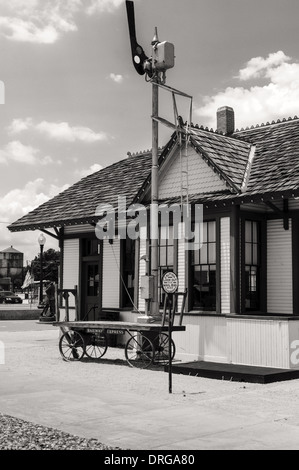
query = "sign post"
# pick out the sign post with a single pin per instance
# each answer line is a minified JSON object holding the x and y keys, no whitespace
{"x":170,"y":286}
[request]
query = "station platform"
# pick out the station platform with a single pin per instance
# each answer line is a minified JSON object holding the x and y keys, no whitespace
{"x":233,"y":372}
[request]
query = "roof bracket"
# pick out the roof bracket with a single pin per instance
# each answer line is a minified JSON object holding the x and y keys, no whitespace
{"x":283,"y":214}
{"x":50,"y":233}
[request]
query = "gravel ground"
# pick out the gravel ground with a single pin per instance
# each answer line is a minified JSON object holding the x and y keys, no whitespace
{"x":17,"y":434}
{"x":74,"y":389}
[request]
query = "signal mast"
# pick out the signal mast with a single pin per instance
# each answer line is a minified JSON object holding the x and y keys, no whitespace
{"x":154,"y":68}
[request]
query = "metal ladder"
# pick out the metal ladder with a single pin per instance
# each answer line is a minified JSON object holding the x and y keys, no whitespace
{"x":182,"y":130}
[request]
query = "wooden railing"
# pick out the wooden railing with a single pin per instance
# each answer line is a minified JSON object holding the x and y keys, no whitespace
{"x":65,"y":294}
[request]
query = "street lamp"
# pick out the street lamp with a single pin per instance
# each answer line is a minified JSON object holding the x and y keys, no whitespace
{"x":41,"y":241}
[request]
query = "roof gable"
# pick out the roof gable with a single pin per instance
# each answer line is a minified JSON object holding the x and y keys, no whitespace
{"x":227,"y":156}
{"x":201,"y":178}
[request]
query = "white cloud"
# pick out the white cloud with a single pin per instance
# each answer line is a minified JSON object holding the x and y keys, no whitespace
{"x":117,"y":78}
{"x":19,"y":125}
{"x":20,"y":30}
{"x":47,"y":160}
{"x":103,"y":5}
{"x":61,"y":131}
{"x":20,"y":153}
{"x":38,"y":21}
{"x":257,"y":66}
{"x":260,"y":103}
{"x":17,"y":203}
{"x":92,"y":169}
{"x":44,"y":21}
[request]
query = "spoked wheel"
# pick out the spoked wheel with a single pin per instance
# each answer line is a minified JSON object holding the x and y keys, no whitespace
{"x":162,"y":349}
{"x":139,"y":351}
{"x":71,"y":346}
{"x":96,"y":346}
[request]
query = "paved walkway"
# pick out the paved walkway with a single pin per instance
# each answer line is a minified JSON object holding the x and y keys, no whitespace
{"x":133,"y":409}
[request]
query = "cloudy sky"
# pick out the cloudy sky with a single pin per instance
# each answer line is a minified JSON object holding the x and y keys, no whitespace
{"x":74,"y":103}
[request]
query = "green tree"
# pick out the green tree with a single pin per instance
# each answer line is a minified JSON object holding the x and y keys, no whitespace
{"x":50,"y":263}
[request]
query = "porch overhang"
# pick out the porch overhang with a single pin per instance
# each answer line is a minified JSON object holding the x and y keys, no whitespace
{"x":227,"y":199}
{"x":212,"y":200}
{"x":51,"y":224}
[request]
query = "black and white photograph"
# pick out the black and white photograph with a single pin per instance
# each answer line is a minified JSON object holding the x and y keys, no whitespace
{"x":149,"y":228}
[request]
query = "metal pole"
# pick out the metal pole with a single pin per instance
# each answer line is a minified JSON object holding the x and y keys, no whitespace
{"x":169,"y":345}
{"x":41,"y":276}
{"x":154,"y":198}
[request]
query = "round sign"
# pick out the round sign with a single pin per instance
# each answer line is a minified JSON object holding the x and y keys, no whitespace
{"x":170,"y":282}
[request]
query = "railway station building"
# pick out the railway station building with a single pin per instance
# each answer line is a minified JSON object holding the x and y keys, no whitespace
{"x":242,"y":284}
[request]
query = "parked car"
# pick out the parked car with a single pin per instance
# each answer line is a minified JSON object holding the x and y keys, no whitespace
{"x":8,"y":297}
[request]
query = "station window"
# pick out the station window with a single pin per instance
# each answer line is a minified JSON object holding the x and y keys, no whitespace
{"x":166,"y":255}
{"x":252,"y":265}
{"x":128,"y":273}
{"x":203,"y":270}
{"x":91,"y":247}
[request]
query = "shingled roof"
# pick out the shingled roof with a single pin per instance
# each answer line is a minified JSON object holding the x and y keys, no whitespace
{"x":227,"y":155}
{"x":276,"y":163}
{"x":78,"y":203}
{"x":274,"y":171}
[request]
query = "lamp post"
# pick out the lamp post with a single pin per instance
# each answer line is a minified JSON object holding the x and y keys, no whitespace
{"x":41,"y":241}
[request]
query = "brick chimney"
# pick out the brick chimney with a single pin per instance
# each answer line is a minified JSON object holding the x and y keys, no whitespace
{"x":225,"y":120}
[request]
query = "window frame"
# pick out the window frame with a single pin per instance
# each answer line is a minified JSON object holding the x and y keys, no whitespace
{"x":124,"y":270}
{"x":191,"y":307}
{"x":166,"y":267}
{"x":262,"y":281}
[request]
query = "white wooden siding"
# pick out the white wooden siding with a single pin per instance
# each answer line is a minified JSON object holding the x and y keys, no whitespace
{"x":294,"y":344}
{"x":71,"y":266}
{"x":293,"y":204}
{"x":205,"y":338}
{"x":279,"y":268}
{"x":258,"y":342}
{"x":225,"y":264}
{"x":142,"y":267}
{"x":82,"y":228}
{"x":213,"y":339}
{"x":111,"y":274}
{"x":201,"y":178}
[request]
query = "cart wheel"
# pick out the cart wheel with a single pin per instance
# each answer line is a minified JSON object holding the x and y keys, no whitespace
{"x":162,"y":349}
{"x":96,"y":346}
{"x":71,"y":346}
{"x":139,"y":351}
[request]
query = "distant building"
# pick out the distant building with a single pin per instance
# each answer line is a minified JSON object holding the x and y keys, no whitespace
{"x":11,"y":266}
